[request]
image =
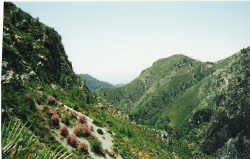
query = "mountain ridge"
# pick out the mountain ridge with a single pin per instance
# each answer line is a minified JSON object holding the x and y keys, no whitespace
{"x":41,"y":90}
{"x":202,"y":107}
{"x":186,"y":95}
{"x":93,"y":83}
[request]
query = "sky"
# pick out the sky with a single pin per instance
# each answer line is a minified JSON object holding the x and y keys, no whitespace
{"x":115,"y":41}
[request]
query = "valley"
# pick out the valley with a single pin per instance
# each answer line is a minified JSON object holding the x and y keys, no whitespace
{"x":177,"y":108}
{"x":94,"y":83}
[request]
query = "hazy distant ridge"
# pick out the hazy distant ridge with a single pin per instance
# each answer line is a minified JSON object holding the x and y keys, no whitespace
{"x":93,"y":83}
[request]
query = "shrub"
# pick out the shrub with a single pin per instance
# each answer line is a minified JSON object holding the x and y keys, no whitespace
{"x":78,"y":130}
{"x":126,"y":131}
{"x":29,"y":101}
{"x":83,"y":147}
{"x":59,"y":103}
{"x":98,"y":123}
{"x":76,"y":107}
{"x":73,"y":115}
{"x":19,"y":142}
{"x":82,"y":130}
{"x":41,"y":100}
{"x":51,"y":112}
{"x":64,"y":131}
{"x":82,"y":119}
{"x":27,"y":96}
{"x":86,"y":130}
{"x":46,"y":109}
{"x":55,"y":119}
{"x":96,"y":146}
{"x":109,"y":131}
{"x":72,"y":140}
{"x":51,"y":100}
{"x":47,"y":127}
{"x":66,"y":119}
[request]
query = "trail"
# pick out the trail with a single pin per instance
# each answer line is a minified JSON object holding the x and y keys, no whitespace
{"x":105,"y":139}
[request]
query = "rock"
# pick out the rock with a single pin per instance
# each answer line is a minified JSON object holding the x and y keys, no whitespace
{"x":99,"y":131}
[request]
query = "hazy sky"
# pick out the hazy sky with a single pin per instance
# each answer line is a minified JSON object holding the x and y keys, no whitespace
{"x":114,"y":42}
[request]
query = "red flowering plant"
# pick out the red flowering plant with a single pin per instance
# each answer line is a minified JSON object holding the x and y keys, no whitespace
{"x":55,"y":119}
{"x":82,"y":119}
{"x":83,"y":147}
{"x":51,"y":100}
{"x":72,"y":140}
{"x":86,"y":130}
{"x":51,"y":112}
{"x":82,"y":130}
{"x":64,"y":131}
{"x":78,"y":130}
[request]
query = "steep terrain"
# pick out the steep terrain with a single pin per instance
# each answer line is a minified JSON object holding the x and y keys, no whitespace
{"x":201,"y":108}
{"x":40,"y":89}
{"x":93,"y":83}
{"x":33,"y":52}
{"x":156,"y":87}
{"x":202,"y":103}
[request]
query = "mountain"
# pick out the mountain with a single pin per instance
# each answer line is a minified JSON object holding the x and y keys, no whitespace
{"x":49,"y":112}
{"x":93,"y":83}
{"x":174,"y":75}
{"x":178,"y":108}
{"x":201,"y":102}
{"x":33,"y":51}
{"x":120,"y":85}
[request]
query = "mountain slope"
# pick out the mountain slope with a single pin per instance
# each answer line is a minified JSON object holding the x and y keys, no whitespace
{"x":33,"y":51}
{"x":40,"y":88}
{"x":199,"y":102}
{"x":35,"y":68}
{"x":93,"y":83}
{"x":156,"y":87}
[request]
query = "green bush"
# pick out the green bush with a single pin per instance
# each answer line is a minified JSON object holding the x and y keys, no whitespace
{"x":96,"y":146}
{"x":19,"y":142}
{"x":98,"y":123}
{"x":76,"y":107}
{"x":126,"y":131}
{"x":66,"y":119}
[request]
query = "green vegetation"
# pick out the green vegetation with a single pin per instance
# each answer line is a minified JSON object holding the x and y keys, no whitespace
{"x":96,"y":146}
{"x":203,"y":107}
{"x":38,"y":80}
{"x":195,"y":102}
{"x":19,"y":143}
{"x":148,"y":96}
{"x":93,"y":83}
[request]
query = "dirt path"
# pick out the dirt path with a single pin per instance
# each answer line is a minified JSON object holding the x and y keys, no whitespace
{"x":105,"y":139}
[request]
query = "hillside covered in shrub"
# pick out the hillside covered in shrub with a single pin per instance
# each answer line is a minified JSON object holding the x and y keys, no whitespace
{"x":203,"y":103}
{"x":47,"y":110}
